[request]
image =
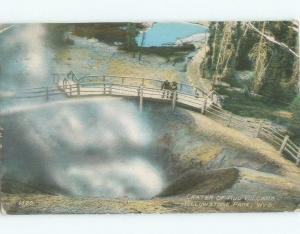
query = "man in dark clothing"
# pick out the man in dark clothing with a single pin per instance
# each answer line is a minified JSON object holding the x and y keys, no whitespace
{"x":165,"y":87}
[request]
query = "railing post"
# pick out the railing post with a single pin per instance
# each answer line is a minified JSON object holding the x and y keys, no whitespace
{"x":143,"y":82}
{"x":196,"y":92}
{"x":47,"y":93}
{"x":1,"y":144}
{"x":104,"y":85}
{"x":64,"y":84}
{"x":70,"y":90}
{"x":298,"y":158}
{"x":204,"y":106}
{"x":78,"y":89}
{"x":212,"y":96}
{"x":110,"y":88}
{"x":141,"y":98}
{"x":122,"y":80}
{"x":229,"y":120}
{"x":174,"y":101}
{"x":259,"y":128}
{"x":180,"y":86}
{"x":284,"y":142}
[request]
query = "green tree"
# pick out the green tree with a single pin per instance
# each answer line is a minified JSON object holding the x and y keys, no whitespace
{"x":295,"y":109}
{"x":56,"y":34}
{"x":132,"y":32}
{"x":256,"y":46}
{"x":279,"y":79}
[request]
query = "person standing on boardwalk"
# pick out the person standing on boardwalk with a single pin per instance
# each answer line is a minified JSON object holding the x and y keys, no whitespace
{"x":174,"y":88}
{"x":166,"y":86}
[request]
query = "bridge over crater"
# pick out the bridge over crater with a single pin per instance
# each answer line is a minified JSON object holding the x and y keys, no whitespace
{"x":184,"y":95}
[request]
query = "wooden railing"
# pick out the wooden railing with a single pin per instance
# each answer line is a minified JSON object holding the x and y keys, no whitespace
{"x":180,"y":97}
{"x":71,"y":85}
{"x":186,"y":95}
{"x":279,"y":139}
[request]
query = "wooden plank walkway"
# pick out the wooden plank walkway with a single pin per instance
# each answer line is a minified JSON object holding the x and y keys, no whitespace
{"x":192,"y":98}
{"x":186,"y":96}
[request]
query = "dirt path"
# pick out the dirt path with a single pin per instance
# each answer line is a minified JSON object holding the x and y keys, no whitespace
{"x":193,"y":71}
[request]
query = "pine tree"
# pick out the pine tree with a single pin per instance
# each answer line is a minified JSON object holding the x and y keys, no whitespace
{"x":270,"y":87}
{"x":260,"y":55}
{"x":295,"y":109}
{"x":131,"y":34}
{"x":279,"y":82}
{"x":256,"y":46}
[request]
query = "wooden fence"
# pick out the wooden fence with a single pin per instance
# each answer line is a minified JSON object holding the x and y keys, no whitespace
{"x":143,"y":89}
{"x":261,"y":129}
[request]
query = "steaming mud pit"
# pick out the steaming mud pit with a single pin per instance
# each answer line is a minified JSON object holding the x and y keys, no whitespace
{"x":92,"y":155}
{"x":95,"y":147}
{"x":101,"y":148}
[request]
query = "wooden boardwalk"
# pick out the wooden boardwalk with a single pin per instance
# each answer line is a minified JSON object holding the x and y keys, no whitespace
{"x":186,"y":96}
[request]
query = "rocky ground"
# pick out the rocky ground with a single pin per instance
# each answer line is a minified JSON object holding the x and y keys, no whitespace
{"x":89,"y":56}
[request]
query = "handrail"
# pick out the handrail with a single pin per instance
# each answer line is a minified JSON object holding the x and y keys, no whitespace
{"x":74,"y":86}
{"x":265,"y":131}
{"x":137,"y":78}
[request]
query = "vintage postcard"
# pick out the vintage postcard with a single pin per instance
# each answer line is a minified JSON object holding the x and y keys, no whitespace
{"x":149,"y":117}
